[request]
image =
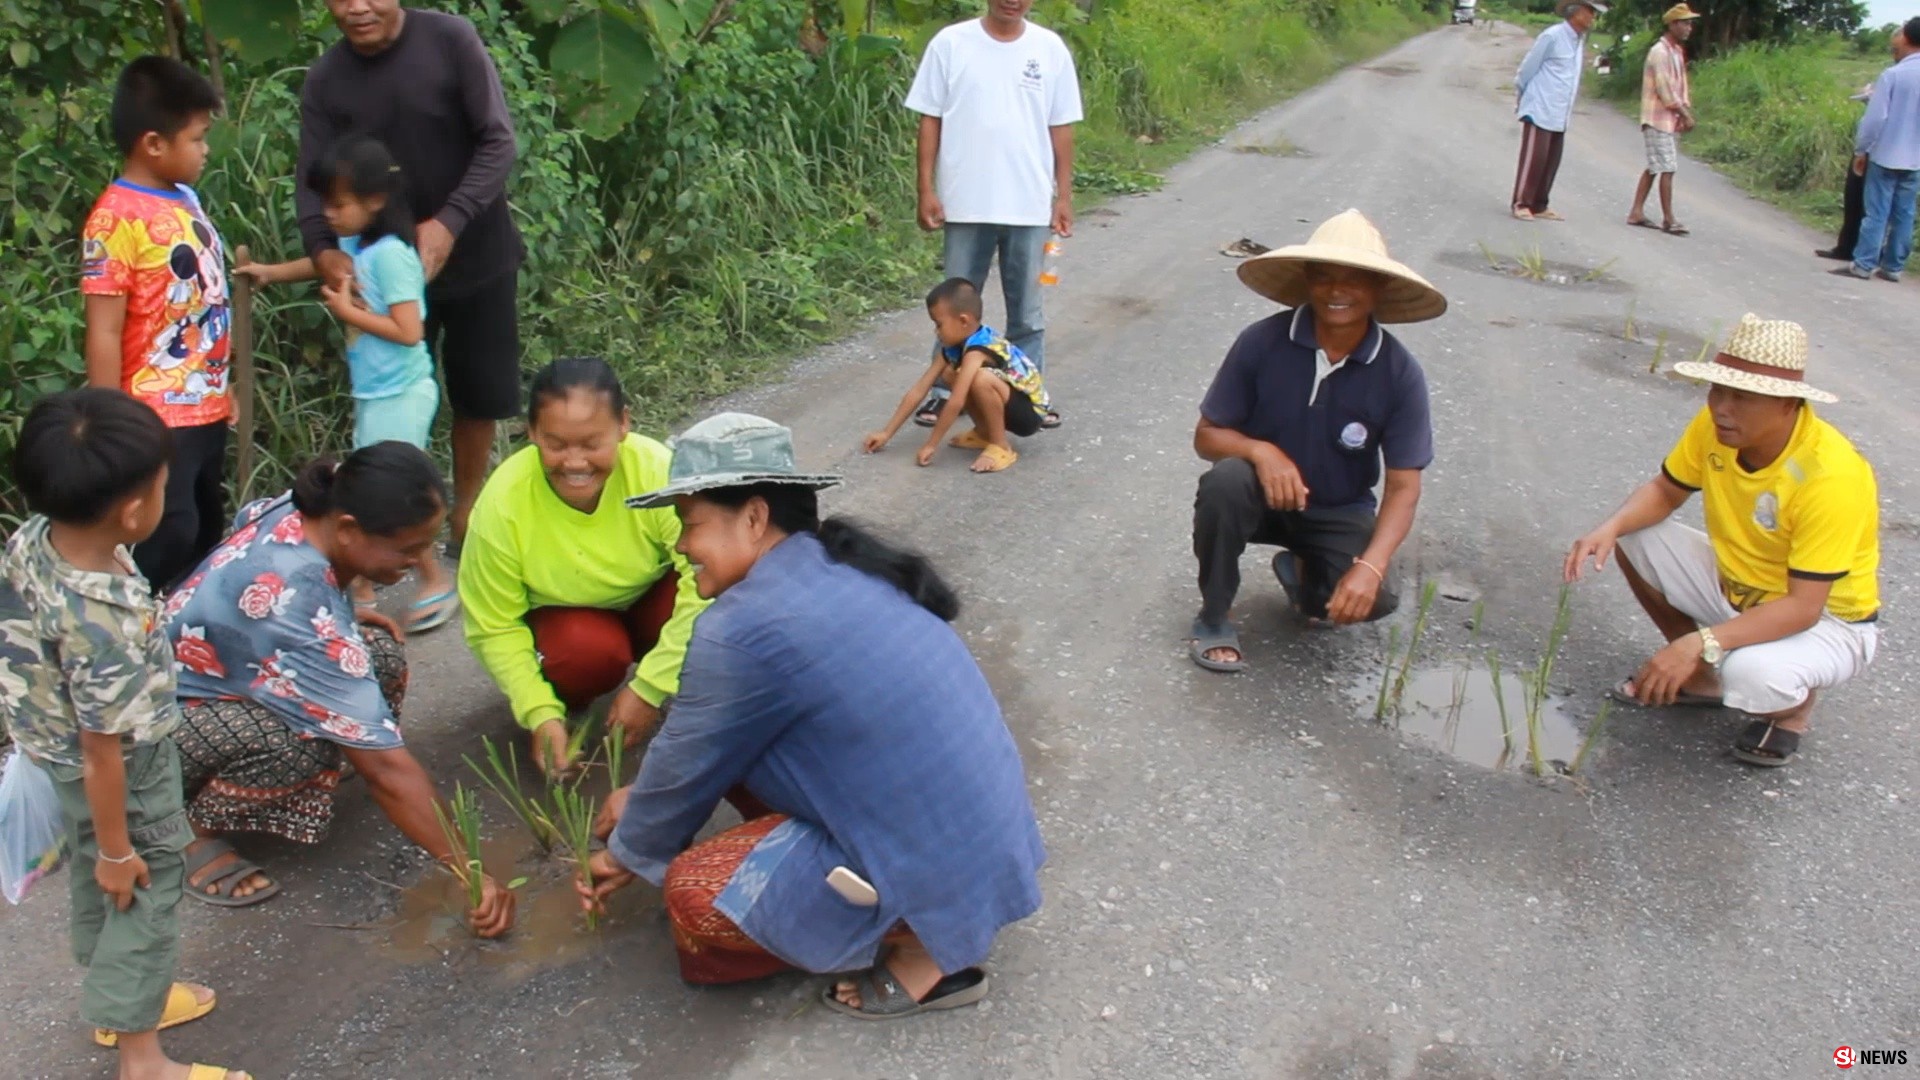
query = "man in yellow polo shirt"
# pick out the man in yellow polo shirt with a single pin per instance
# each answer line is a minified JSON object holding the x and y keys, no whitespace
{"x":1778,"y":599}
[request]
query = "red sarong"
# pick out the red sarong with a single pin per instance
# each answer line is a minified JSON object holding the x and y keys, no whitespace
{"x":712,"y":949}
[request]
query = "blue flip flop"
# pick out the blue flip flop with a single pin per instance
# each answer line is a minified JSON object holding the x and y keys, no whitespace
{"x":430,"y":611}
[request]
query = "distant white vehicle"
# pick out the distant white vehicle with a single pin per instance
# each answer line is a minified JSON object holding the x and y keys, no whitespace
{"x":1463,"y":11}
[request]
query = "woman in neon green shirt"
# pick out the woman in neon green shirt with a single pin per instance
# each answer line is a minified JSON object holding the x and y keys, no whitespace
{"x":565,"y":589}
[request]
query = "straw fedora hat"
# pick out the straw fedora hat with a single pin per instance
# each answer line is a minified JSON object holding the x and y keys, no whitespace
{"x":1346,"y":239}
{"x":1566,"y":7}
{"x":1679,"y":13}
{"x":1762,"y":356}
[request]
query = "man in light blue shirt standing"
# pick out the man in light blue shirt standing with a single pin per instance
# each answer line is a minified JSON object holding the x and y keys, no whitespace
{"x":1546,"y":86}
{"x":1887,"y":152}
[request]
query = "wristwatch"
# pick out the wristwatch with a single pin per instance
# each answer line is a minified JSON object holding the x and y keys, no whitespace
{"x":1710,"y":649}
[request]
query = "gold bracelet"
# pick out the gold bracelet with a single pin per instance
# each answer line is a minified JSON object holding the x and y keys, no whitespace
{"x":1375,"y":569}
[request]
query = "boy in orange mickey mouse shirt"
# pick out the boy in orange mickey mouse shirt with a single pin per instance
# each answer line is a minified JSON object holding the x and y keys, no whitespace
{"x":154,"y":279}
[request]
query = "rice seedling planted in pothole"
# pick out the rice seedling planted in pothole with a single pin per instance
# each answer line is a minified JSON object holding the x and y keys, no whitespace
{"x":1593,"y":732}
{"x":502,"y":777}
{"x":1707,"y":346}
{"x":1427,"y":593}
{"x":573,"y":813}
{"x":1386,"y":673}
{"x":1631,"y":331}
{"x":1500,"y":698}
{"x":460,"y":821}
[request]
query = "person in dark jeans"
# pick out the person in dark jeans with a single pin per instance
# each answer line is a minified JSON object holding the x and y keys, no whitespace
{"x":1298,"y":422}
{"x":422,"y":83}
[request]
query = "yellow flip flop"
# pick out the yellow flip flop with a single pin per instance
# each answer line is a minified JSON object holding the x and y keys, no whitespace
{"x":968,"y":440}
{"x":197,"y":1071}
{"x":994,"y":459}
{"x":182,"y":1006}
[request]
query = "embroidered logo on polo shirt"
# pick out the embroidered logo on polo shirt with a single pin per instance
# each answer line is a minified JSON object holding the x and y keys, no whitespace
{"x":1766,"y":511}
{"x":1354,"y":435}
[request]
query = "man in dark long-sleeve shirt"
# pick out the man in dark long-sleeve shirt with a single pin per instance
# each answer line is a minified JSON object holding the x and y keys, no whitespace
{"x":422,"y":83}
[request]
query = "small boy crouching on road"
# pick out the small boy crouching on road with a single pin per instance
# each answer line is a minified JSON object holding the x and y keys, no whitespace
{"x":992,"y":381}
{"x":89,"y":696}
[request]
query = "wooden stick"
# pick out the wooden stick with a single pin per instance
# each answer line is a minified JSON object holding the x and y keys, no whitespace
{"x":240,"y":374}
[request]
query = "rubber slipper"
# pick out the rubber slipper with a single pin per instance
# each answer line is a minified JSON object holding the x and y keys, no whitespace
{"x":202,"y":855}
{"x":1522,"y":214}
{"x":995,"y":459}
{"x":182,"y":1007}
{"x":1549,"y":215}
{"x":1676,"y":229}
{"x":1622,"y":692}
{"x":197,"y":1071}
{"x":928,"y":414}
{"x":969,"y":439}
{"x":1205,"y":639}
{"x":883,"y":998}
{"x":1645,"y":223}
{"x":431,"y":611}
{"x":1766,"y":744}
{"x":1049,"y":420}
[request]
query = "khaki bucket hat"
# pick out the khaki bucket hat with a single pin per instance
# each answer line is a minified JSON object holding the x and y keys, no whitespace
{"x":730,"y":450}
{"x":1762,"y":356}
{"x":1346,"y":239}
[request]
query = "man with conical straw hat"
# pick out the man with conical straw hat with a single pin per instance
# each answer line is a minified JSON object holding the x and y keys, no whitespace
{"x":1308,"y":405}
{"x":1778,"y":599}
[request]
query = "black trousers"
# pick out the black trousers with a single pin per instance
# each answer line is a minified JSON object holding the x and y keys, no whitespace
{"x":475,"y":338}
{"x":1854,"y":209}
{"x":1230,"y":512}
{"x":196,"y":514}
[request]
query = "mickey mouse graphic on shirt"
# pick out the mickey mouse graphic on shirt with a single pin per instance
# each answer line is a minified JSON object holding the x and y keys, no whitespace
{"x":198,"y":333}
{"x":157,"y":248}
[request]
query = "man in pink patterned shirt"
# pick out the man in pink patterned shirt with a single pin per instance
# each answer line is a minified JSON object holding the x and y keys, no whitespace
{"x":1666,"y":112}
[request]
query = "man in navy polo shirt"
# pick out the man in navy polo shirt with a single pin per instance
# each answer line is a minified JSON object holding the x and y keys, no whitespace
{"x":1300,"y":418}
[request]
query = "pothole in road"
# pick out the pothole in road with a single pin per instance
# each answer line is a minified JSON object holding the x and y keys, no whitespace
{"x":1531,"y":266}
{"x":548,"y":930}
{"x":1395,"y":70}
{"x":1468,"y":714}
{"x":1631,"y":349}
{"x":1278,"y":146}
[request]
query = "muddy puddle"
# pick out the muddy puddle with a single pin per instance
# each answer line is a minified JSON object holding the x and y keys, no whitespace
{"x":1530,"y":266}
{"x":1458,"y":712}
{"x":548,"y":929}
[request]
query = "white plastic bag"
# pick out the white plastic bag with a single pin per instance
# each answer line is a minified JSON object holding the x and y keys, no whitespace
{"x":33,"y":838}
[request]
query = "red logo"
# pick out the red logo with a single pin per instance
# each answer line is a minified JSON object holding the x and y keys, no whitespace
{"x":1845,"y":1057}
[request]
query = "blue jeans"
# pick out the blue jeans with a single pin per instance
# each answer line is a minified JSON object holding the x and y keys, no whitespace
{"x":969,"y":251}
{"x":1886,"y":232}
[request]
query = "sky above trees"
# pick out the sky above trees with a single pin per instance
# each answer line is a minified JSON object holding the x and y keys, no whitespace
{"x":1881,"y":12}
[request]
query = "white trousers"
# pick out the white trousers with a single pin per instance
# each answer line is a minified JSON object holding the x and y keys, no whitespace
{"x":1762,"y":679}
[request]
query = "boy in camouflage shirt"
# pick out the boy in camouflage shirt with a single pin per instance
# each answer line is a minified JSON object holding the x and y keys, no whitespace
{"x":87,"y":687}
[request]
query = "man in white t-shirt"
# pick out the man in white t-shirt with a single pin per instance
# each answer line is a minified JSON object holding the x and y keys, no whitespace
{"x":998,"y":97}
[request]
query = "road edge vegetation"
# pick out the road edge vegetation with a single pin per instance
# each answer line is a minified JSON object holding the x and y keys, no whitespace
{"x":760,"y":199}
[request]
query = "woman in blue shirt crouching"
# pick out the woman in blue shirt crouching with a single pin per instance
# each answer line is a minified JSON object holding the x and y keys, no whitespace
{"x":825,"y":680}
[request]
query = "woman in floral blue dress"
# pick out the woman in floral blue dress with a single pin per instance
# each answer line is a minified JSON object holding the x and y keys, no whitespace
{"x":283,"y":685}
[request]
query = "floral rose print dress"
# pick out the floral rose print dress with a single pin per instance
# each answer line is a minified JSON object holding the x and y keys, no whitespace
{"x":275,"y":676}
